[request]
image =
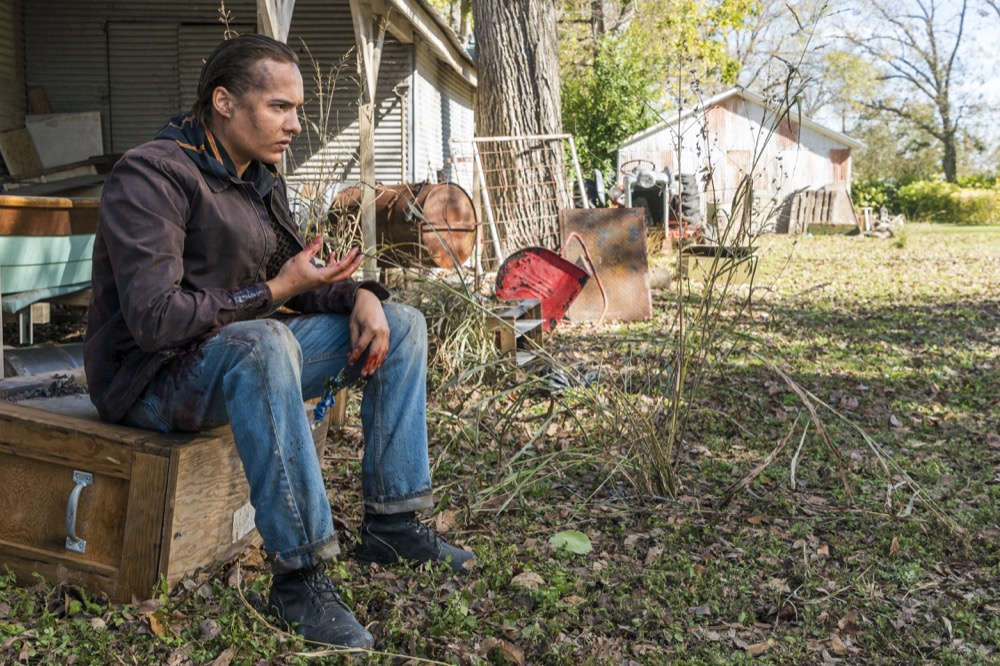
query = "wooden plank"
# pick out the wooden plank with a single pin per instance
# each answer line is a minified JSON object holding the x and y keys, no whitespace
{"x":338,"y":415}
{"x":19,"y":154}
{"x":210,"y":515}
{"x":31,"y":433}
{"x":33,"y":505}
{"x":38,"y":101}
{"x":61,"y":185}
{"x":79,"y":299}
{"x":47,"y":216}
{"x":76,"y":414}
{"x":143,"y":553}
{"x":24,"y":561}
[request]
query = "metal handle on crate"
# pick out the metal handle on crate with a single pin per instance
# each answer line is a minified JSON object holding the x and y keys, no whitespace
{"x":73,"y":542}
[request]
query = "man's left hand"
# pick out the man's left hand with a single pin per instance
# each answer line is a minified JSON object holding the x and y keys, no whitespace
{"x":369,"y":330}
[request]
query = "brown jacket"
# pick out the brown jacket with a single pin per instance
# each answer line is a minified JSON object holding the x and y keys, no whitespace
{"x":179,"y":253}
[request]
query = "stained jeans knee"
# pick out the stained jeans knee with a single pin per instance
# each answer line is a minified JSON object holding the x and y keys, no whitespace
{"x":395,"y":472}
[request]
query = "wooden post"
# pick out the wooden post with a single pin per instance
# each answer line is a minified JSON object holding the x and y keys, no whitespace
{"x":369,"y":56}
{"x":274,"y":18}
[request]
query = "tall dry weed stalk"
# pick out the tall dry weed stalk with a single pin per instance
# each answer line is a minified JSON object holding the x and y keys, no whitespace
{"x":708,"y":320}
{"x":317,"y":181}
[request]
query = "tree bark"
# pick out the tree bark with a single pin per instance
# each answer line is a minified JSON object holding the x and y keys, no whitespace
{"x":519,"y":95}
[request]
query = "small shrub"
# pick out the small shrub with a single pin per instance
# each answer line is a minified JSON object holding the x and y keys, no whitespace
{"x":876,"y":193}
{"x":937,"y":201}
{"x":929,"y":200}
{"x":980,"y":181}
{"x":978,"y":206}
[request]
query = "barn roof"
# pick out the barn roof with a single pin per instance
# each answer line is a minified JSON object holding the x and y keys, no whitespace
{"x":754,"y":98}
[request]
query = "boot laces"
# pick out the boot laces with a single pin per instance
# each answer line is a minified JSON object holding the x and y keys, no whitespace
{"x":426,"y":533}
{"x":323,"y":590}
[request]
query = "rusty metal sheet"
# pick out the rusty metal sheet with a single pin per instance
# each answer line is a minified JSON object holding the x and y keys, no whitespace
{"x":616,"y":240}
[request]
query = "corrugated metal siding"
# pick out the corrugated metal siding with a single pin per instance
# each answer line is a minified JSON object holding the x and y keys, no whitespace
{"x":443,"y":108}
{"x":322,"y":31}
{"x":156,"y":55}
{"x":143,"y":76}
{"x":738,"y":138}
{"x":428,"y":104}
{"x":458,"y":121}
{"x":13,"y":101}
{"x":65,"y":51}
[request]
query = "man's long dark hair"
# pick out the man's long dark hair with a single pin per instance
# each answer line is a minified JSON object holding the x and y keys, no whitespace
{"x":234,"y":65}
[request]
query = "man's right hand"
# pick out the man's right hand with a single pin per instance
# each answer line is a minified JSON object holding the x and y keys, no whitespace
{"x":300,"y":275}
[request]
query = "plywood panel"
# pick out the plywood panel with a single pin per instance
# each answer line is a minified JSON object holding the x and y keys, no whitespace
{"x":33,"y":433}
{"x":19,"y":154}
{"x":24,"y":561}
{"x":210,"y":515}
{"x":143,"y":525}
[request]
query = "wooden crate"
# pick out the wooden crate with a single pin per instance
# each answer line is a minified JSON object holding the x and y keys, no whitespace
{"x":158,"y":505}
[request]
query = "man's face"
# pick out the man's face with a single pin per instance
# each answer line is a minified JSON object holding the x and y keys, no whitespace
{"x":261,"y":123}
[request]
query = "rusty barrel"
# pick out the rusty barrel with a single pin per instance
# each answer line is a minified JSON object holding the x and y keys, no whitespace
{"x":417,"y":223}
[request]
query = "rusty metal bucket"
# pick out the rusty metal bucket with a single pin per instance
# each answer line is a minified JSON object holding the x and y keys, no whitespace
{"x":536,"y":272}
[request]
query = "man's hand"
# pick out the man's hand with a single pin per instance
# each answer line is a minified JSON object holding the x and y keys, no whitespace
{"x":369,"y":330}
{"x":300,"y":275}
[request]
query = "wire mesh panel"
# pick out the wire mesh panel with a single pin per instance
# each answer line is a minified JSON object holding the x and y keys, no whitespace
{"x":523,"y":181}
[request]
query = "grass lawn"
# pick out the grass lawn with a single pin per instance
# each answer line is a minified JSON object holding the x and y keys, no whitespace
{"x":878,"y":544}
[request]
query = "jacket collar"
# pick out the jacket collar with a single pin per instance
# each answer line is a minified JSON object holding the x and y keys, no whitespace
{"x":200,"y":145}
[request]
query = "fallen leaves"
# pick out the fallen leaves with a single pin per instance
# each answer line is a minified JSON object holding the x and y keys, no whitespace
{"x":758,"y":649}
{"x":509,"y":650}
{"x":528,"y":579}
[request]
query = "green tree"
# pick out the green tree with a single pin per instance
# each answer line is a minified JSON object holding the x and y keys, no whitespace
{"x":893,"y":150}
{"x":625,"y":63}
{"x":458,"y":13}
{"x":915,"y":45}
{"x":608,"y":103}
{"x":673,"y":40}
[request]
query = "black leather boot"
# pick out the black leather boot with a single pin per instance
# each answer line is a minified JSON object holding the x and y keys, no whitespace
{"x":386,"y":538}
{"x":308,"y":601}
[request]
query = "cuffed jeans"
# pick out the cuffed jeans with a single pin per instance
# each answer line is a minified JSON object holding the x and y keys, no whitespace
{"x":254,"y":375}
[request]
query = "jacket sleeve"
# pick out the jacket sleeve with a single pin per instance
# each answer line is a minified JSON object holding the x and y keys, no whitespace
{"x":337,"y":298}
{"x":145,"y":206}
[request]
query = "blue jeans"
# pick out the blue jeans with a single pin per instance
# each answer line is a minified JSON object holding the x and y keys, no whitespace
{"x":255,"y":374}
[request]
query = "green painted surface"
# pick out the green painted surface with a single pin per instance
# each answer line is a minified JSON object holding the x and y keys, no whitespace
{"x":39,"y":262}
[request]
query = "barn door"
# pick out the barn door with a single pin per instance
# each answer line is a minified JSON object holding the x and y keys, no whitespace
{"x":840,"y":158}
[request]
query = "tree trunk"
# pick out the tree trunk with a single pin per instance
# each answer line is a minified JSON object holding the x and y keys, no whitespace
{"x":949,"y":160}
{"x":518,"y":96}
